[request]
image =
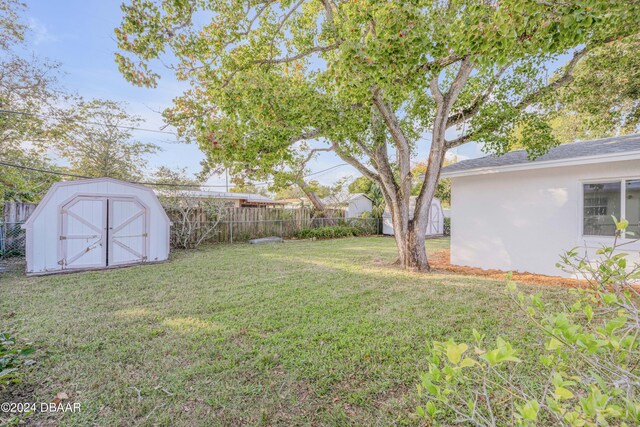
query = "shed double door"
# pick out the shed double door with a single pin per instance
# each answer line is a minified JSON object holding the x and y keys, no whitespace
{"x":99,"y":232}
{"x":433,"y":226}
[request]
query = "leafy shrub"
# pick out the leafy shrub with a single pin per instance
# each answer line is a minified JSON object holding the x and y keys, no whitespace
{"x":588,"y":364}
{"x":446,"y":226}
{"x":331,"y":232}
{"x":12,"y":359}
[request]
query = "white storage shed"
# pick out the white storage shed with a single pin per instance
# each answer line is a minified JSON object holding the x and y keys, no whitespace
{"x":435,"y":226}
{"x":358,"y":204}
{"x":93,"y":224}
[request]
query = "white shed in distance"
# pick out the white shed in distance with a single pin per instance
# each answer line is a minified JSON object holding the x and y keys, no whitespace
{"x":93,"y":224}
{"x":435,"y":225}
{"x":358,"y":205}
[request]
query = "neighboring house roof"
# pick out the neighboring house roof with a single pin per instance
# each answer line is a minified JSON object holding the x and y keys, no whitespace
{"x":576,"y":153}
{"x":249,"y":197}
{"x":293,"y":200}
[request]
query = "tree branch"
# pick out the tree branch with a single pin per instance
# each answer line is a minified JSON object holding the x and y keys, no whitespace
{"x":401,"y":142}
{"x":256,"y":16}
{"x":328,"y":11}
{"x":471,"y":111}
{"x":435,"y":90}
{"x":312,"y":152}
{"x":390,"y":119}
{"x":565,"y":79}
{"x":364,"y":148}
{"x":440,"y":63}
{"x":466,"y":66}
{"x":356,"y":164}
{"x":438,"y":149}
{"x":298,"y":56}
{"x":304,"y":136}
{"x":281,"y":24}
{"x":387,"y":179}
{"x":458,"y":141}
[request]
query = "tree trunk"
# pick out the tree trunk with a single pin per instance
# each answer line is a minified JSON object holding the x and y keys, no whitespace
{"x":417,"y":229}
{"x":311,"y":195}
{"x":409,"y":240}
{"x":417,"y":251}
{"x":422,"y":212}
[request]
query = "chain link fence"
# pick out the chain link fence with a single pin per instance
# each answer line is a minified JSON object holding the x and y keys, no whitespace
{"x":242,"y":231}
{"x":12,"y":239}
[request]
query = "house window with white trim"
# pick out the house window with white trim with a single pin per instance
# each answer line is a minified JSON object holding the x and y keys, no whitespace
{"x":601,"y":201}
{"x":632,"y":207}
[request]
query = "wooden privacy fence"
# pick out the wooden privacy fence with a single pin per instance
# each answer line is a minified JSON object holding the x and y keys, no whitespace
{"x":227,"y":225}
{"x":12,"y":236}
{"x":17,"y":212}
{"x":260,"y":222}
{"x":242,"y":224}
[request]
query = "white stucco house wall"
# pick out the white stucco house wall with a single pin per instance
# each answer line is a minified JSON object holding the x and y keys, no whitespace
{"x":435,"y":225}
{"x":513,"y":214}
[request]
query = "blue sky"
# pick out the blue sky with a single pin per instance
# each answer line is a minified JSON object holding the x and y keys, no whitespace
{"x":79,"y":35}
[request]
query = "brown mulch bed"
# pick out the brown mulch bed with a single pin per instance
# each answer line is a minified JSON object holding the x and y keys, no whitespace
{"x":440,"y":261}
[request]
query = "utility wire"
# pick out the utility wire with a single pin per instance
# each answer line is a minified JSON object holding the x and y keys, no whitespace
{"x":71,"y":175}
{"x":24,"y":113}
{"x":130,"y":128}
{"x":29,"y":168}
{"x":325,"y":170}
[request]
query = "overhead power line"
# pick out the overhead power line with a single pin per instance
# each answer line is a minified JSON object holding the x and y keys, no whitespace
{"x":325,"y":170}
{"x":71,"y":175}
{"x":25,"y":113}
{"x":161,"y":184}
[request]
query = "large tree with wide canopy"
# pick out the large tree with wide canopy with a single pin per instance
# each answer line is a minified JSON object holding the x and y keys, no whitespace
{"x":275,"y":82}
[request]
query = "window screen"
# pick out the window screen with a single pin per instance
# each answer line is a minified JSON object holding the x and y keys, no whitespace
{"x":601,"y":200}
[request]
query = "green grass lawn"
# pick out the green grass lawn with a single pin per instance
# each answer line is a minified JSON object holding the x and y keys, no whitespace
{"x":301,"y":333}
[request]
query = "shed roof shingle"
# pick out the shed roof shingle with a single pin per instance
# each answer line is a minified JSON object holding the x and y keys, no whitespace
{"x":574,"y":150}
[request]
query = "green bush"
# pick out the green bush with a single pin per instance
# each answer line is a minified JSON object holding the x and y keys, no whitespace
{"x":586,"y":368}
{"x":331,"y":232}
{"x":12,"y":359}
{"x":447,"y":226}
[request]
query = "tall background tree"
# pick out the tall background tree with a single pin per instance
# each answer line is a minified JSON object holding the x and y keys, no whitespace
{"x":604,"y":97}
{"x":28,"y":90}
{"x":275,"y":82}
{"x":96,"y":139}
{"x":293,"y":191}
